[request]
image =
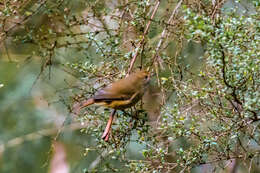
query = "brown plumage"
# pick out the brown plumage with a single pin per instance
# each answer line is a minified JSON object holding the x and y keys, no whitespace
{"x":121,"y":94}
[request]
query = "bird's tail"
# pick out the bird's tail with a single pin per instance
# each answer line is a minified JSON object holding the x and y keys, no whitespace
{"x":79,"y":105}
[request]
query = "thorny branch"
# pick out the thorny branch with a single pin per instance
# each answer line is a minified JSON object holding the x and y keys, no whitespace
{"x":238,"y":104}
{"x":143,"y":38}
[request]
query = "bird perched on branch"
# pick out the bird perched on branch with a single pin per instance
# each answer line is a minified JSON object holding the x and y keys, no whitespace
{"x":118,"y":95}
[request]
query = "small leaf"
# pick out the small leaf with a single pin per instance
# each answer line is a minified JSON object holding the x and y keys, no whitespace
{"x":28,"y":13}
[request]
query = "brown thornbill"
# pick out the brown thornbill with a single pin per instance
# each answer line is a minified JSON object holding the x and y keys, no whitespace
{"x":121,"y":94}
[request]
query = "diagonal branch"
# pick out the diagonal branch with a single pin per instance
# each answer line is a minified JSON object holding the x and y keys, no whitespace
{"x":234,"y":88}
{"x":143,"y":37}
{"x":164,"y":33}
{"x":24,"y":19}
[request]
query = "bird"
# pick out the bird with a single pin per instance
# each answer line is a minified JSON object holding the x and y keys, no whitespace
{"x":119,"y":95}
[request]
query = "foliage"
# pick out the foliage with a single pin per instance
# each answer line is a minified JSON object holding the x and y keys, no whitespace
{"x":205,"y":58}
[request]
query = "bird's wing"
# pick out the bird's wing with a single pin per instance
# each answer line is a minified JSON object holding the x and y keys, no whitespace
{"x":109,"y":94}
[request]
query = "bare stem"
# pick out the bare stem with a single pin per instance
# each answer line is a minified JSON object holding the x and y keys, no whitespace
{"x":143,"y":37}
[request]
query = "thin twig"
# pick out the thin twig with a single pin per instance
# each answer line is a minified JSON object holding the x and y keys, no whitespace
{"x":25,"y":19}
{"x":7,"y":52}
{"x":163,"y":35}
{"x":96,"y":162}
{"x":143,"y":37}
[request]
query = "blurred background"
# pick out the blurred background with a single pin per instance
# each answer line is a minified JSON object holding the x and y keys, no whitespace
{"x":51,"y":52}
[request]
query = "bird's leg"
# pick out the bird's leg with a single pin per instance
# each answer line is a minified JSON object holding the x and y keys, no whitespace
{"x":126,"y":113}
{"x":135,"y":116}
{"x":105,"y":135}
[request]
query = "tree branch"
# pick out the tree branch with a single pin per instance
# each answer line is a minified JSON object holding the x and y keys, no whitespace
{"x":143,"y":37}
